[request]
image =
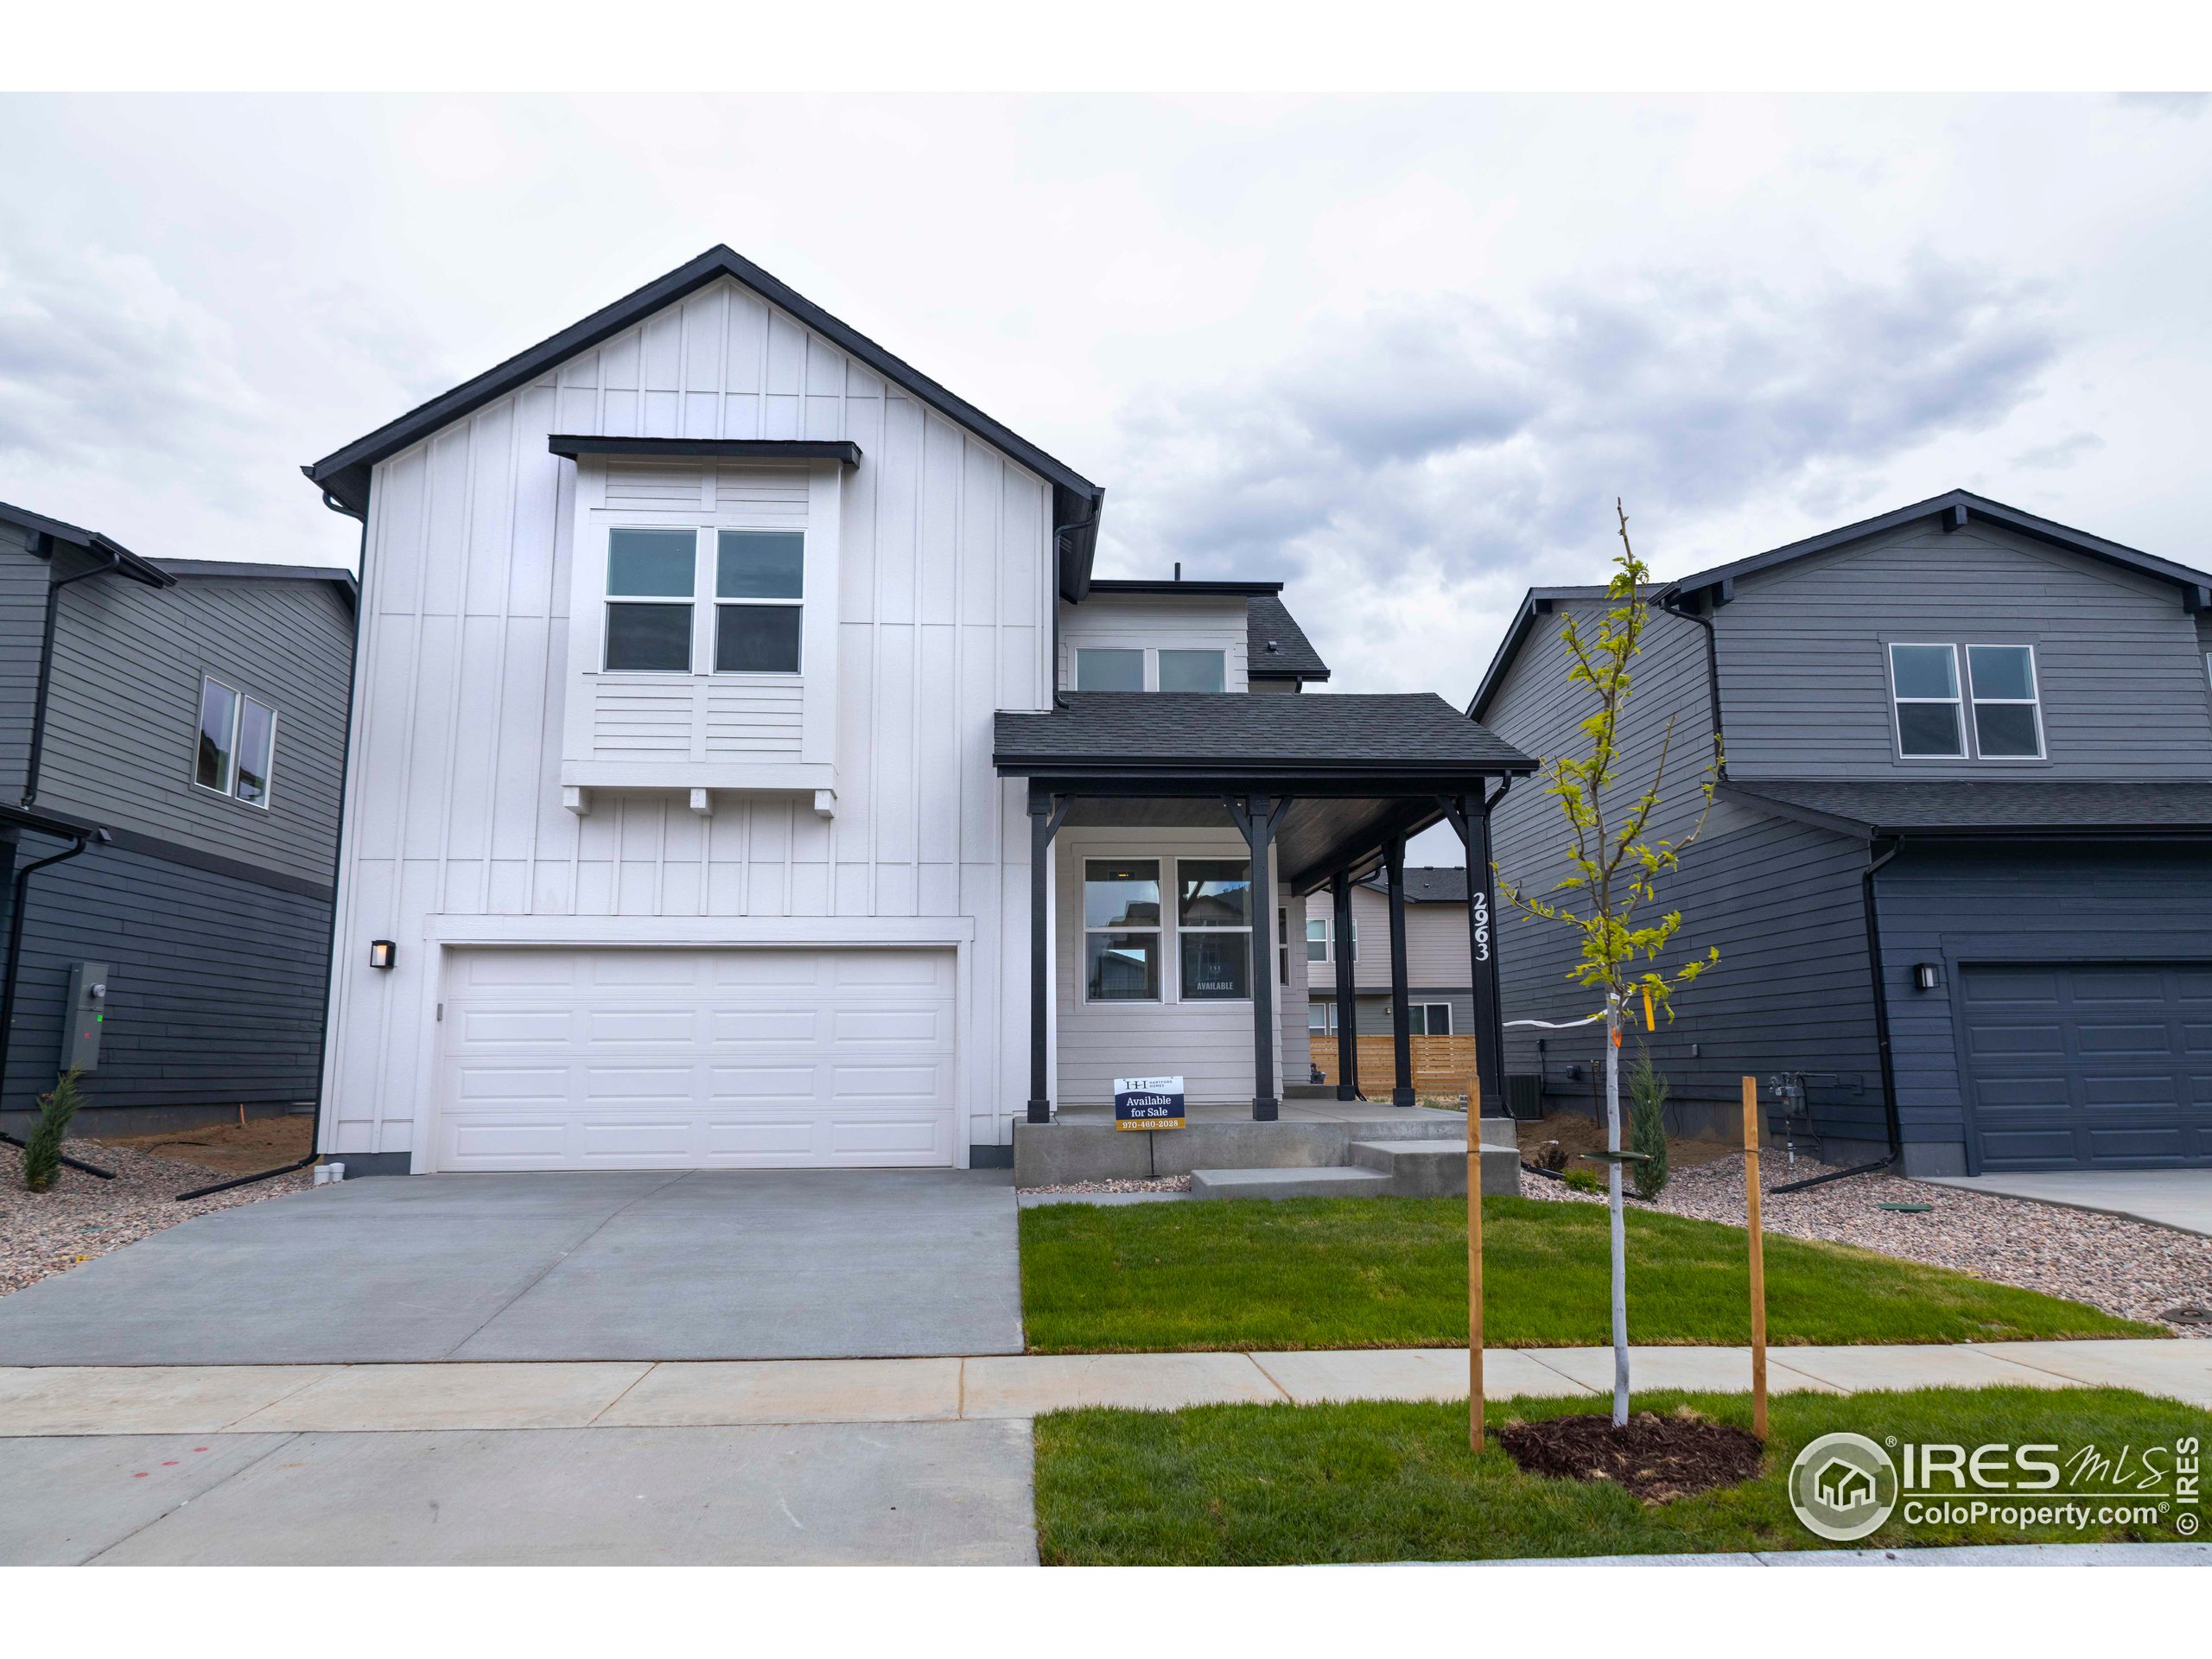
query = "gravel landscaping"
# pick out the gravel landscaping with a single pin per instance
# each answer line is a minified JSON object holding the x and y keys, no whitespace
{"x":2127,"y":1268}
{"x":1161,"y":1184}
{"x":82,"y":1216}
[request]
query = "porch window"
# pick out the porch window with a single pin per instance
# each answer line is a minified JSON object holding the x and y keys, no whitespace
{"x":1214,"y":916}
{"x":1121,"y":923}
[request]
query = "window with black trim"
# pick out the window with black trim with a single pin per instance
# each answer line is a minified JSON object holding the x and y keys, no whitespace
{"x":1122,"y":929}
{"x":1213,"y":919}
{"x":1429,"y":1019}
{"x":237,"y":749}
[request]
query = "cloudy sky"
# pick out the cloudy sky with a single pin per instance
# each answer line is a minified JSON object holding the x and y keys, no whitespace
{"x":1403,"y":352}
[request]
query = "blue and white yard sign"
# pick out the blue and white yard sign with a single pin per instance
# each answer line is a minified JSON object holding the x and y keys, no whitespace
{"x":1147,"y":1103}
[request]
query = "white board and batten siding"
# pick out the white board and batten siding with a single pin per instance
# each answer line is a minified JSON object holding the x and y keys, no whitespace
{"x":1208,"y":1044}
{"x":457,"y":841}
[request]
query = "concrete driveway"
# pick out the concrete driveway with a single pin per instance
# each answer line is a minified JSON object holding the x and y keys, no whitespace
{"x":612,"y":1265}
{"x":2180,"y":1199}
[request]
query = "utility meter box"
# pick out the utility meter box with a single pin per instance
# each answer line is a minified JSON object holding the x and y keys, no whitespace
{"x":80,"y":1040}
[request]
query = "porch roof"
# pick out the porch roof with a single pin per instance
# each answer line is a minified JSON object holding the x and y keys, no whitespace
{"x":1358,"y":771}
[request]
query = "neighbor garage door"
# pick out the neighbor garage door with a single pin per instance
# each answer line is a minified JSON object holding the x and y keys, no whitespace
{"x":696,"y":1059}
{"x":2089,"y":1063}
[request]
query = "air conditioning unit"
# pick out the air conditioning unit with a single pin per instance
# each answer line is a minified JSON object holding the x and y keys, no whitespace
{"x":1524,"y":1095}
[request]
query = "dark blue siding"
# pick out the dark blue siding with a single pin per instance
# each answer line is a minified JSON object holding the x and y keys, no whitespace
{"x":215,"y":983}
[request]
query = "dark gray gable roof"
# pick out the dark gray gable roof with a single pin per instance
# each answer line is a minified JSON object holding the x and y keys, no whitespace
{"x":1186,"y":732}
{"x":344,"y":473}
{"x":1267,"y":621}
{"x":1537,"y":602}
{"x":1972,"y":808}
{"x":92,"y":540}
{"x":241,"y":570}
{"x":1957,"y":508}
{"x":1428,"y":884}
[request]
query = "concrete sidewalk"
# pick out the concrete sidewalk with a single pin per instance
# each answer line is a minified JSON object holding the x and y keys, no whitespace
{"x":483,"y":1396}
{"x":2179,"y":1198}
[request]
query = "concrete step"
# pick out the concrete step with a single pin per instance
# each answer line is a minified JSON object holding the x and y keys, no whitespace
{"x":1338,"y":1181}
{"x":1434,"y":1169}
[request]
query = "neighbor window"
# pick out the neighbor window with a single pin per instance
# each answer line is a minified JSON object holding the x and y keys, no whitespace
{"x":1109,"y":670}
{"x":2007,"y":724}
{"x":760,"y":579}
{"x":1321,"y":1017}
{"x":237,"y":744}
{"x":1317,"y":940}
{"x":1429,"y":1019}
{"x":652,"y":575}
{"x":1213,"y":912}
{"x":1120,"y":924}
{"x":1193,"y":670}
{"x":1924,"y":681}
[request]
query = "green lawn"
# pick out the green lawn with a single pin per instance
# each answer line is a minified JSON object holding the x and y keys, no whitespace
{"x":1392,"y":1272}
{"x":1252,"y":1485}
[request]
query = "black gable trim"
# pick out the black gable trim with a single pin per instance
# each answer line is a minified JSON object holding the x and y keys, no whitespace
{"x":707,"y":448}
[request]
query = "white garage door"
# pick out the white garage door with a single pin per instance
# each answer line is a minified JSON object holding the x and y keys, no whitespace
{"x":653,"y":1058}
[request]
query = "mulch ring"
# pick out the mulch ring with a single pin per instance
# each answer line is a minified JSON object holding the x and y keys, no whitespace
{"x":1656,"y":1458}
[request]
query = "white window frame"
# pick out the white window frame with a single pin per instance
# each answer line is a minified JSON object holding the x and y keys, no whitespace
{"x":1428,"y":1012}
{"x":1326,"y":1008}
{"x":1159,"y":930}
{"x":705,"y":600}
{"x":609,"y":600}
{"x":240,"y":698}
{"x":711,"y":558}
{"x":1957,"y":700}
{"x":2032,"y":703}
{"x":1152,"y":656}
{"x":1146,"y":677}
{"x":1320,"y":938}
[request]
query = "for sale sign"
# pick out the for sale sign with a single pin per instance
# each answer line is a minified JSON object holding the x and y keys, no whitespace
{"x":1147,"y":1103}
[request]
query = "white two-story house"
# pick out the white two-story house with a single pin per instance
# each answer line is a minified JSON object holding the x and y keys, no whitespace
{"x":747,"y":770}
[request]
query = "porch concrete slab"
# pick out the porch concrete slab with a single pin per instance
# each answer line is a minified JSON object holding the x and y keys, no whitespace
{"x":359,"y":1398}
{"x":878,"y":1493}
{"x":151,"y":1399}
{"x":1311,"y":1376}
{"x":68,"y":1498}
{"x":1024,"y":1385}
{"x":603,"y":1265}
{"x":1936,"y":1366}
{"x":792,"y":1391}
{"x":2181,"y":1370}
{"x":1336,"y":1182}
{"x":2180,"y":1199}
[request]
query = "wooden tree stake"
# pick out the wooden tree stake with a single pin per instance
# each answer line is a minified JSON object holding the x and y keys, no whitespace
{"x":1758,"y":1254}
{"x":1475,"y":1265}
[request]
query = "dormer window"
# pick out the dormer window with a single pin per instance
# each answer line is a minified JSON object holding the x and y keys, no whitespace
{"x":759,"y":587}
{"x":650,"y":576}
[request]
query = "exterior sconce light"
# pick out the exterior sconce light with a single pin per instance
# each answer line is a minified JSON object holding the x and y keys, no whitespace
{"x":380,"y":953}
{"x":1928,"y":976}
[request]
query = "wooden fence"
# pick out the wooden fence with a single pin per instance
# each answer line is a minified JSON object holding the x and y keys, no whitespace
{"x":1442,"y":1065}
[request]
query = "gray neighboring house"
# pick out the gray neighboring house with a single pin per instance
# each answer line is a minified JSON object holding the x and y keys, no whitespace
{"x":172,"y":738}
{"x":1960,"y":865}
{"x":1440,"y":992}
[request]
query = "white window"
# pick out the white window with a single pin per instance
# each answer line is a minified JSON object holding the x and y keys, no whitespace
{"x":1120,"y":936}
{"x":1321,"y":1017}
{"x":1924,"y":685}
{"x":1213,"y":915}
{"x":237,"y":744}
{"x":1193,"y":670}
{"x":1097,"y":670}
{"x":760,"y":587}
{"x":2007,"y":718}
{"x":1317,"y":939}
{"x":1430,"y":1019}
{"x":652,"y":598}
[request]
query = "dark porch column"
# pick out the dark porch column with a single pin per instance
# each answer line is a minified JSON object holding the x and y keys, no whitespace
{"x":1340,"y":951}
{"x":1257,"y":816}
{"x":1471,"y":817}
{"x":1044,"y":816}
{"x":1401,"y":1013}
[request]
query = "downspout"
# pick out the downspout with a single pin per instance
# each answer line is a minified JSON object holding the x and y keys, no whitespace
{"x":1060,"y":533}
{"x":16,"y":963}
{"x":337,"y":857}
{"x":1670,"y":602}
{"x":1894,"y":1131}
{"x":46,"y":675}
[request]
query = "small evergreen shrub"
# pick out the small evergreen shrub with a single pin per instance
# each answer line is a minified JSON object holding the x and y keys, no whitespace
{"x":1585,"y":1181}
{"x":1647,"y":1126}
{"x":42,"y":1148}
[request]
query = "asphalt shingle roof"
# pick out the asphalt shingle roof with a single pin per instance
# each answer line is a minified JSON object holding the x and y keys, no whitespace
{"x":1964,"y":806}
{"x":1268,"y":619}
{"x":1188,"y":731}
{"x":1428,"y":884}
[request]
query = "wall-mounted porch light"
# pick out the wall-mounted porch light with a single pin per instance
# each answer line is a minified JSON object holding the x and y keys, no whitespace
{"x":1928,"y":976}
{"x":381,"y":952}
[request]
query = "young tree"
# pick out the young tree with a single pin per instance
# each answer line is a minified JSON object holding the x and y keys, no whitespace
{"x":1614,"y":869}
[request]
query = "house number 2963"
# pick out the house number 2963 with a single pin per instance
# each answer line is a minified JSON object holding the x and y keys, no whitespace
{"x":1481,"y":902}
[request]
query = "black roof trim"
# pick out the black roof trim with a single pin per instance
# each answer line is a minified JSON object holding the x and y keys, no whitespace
{"x":709,"y":448}
{"x":45,"y":823}
{"x":344,"y":473}
{"x":1958,"y":507}
{"x":1425,"y":884}
{"x":127,"y":564}
{"x":1537,"y":602}
{"x":1178,"y":589}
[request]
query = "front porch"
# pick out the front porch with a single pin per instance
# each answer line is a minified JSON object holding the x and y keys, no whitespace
{"x":1169,"y":916}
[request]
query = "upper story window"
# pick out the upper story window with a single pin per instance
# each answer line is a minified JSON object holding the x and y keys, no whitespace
{"x":1099,"y":668}
{"x":1317,"y":929}
{"x":237,"y":744}
{"x":1999,"y":691}
{"x":758,"y":599}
